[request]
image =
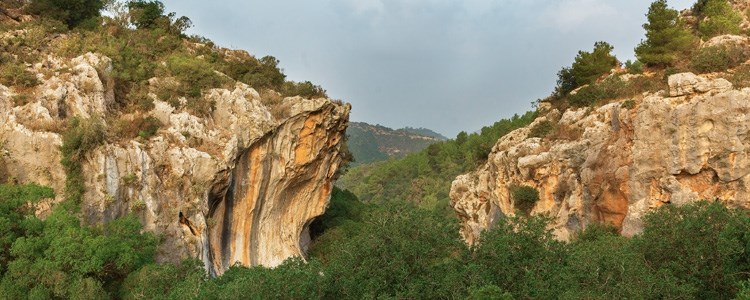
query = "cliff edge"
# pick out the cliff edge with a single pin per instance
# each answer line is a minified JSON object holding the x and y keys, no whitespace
{"x":238,"y":184}
{"x":616,"y":162}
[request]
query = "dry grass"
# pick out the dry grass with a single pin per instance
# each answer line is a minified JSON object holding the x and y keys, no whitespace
{"x":49,"y":125}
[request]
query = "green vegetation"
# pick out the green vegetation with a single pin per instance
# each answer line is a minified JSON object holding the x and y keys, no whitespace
{"x":15,"y":74}
{"x":388,"y":250}
{"x":70,"y":12}
{"x":587,"y":68}
{"x":82,"y":136}
{"x":718,"y":58}
{"x":716,"y":17}
{"x":425,"y":177}
{"x":667,"y":39}
{"x":524,"y":197}
{"x":542,"y":129}
{"x":59,"y":258}
{"x":613,"y":88}
{"x":371,"y":143}
{"x":634,"y":67}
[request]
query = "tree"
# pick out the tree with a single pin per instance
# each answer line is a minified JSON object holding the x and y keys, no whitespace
{"x":587,"y":68}
{"x":666,"y":38}
{"x":717,"y":17}
{"x":144,"y":14}
{"x":71,"y":12}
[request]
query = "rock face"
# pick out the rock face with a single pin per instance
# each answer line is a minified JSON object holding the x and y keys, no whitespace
{"x":616,"y":162}
{"x":240,"y":185}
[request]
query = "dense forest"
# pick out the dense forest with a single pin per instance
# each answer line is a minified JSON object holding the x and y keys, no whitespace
{"x":390,"y":233}
{"x":388,"y":250}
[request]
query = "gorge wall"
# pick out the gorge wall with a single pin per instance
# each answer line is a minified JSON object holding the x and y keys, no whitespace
{"x":616,"y":162}
{"x":240,"y":185}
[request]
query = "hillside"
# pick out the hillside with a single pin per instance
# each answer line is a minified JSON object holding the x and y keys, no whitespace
{"x":126,"y":121}
{"x":139,"y":163}
{"x":370,"y":143}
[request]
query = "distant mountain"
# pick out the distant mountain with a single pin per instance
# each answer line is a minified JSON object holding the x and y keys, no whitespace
{"x":369,"y":143}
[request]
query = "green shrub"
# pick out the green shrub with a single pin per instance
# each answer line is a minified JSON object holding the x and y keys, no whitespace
{"x":144,"y":14}
{"x":524,"y":197}
{"x":634,"y":67}
{"x":628,"y":104}
{"x":718,"y":58}
{"x":587,"y":68}
{"x":148,"y":126}
{"x":741,"y":77}
{"x":15,"y":74}
{"x":82,"y":136}
{"x":71,"y":12}
{"x":717,"y":17}
{"x":703,"y":247}
{"x":542,"y":129}
{"x":488,"y":292}
{"x":666,"y":37}
{"x":614,"y":88}
{"x":304,"y":89}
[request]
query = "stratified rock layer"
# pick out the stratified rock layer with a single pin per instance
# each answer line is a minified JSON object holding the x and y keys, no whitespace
{"x":240,"y":185}
{"x":616,"y":162}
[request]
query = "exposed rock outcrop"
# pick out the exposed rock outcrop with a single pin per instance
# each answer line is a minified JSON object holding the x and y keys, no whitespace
{"x":616,"y":162}
{"x":240,"y":185}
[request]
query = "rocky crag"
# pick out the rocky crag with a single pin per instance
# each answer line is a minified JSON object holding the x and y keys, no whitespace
{"x":616,"y":162}
{"x":239,"y":185}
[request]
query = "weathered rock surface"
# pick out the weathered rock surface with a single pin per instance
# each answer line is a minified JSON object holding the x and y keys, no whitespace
{"x":615,"y":163}
{"x":238,"y":186}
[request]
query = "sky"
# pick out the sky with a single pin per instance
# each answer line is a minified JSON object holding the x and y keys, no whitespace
{"x":446,"y":65}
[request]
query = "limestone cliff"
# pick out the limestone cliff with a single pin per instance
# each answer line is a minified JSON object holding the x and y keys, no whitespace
{"x":240,"y":185}
{"x":615,"y":162}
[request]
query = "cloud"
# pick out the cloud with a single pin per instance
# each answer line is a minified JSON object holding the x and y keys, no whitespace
{"x":567,"y":15}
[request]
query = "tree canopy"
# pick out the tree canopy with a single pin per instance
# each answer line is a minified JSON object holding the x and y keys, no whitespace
{"x":666,"y":37}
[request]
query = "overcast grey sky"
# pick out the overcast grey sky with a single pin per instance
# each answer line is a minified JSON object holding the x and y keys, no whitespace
{"x":447,"y":65}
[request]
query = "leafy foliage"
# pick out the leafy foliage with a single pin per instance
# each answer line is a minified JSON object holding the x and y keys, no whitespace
{"x":425,"y":177}
{"x":524,"y":197}
{"x":15,"y":74}
{"x":717,"y":17}
{"x":666,"y":37}
{"x":613,"y":88}
{"x":82,"y":136}
{"x":71,"y":12}
{"x":703,"y":247}
{"x":371,"y":143}
{"x":718,"y":58}
{"x":586,"y":68}
{"x":60,"y":258}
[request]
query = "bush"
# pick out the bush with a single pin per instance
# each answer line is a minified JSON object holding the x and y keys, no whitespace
{"x":524,"y":197}
{"x":614,"y":88}
{"x":704,"y":247}
{"x":15,"y":74}
{"x":303,"y":89}
{"x":587,"y":68}
{"x":634,"y":67}
{"x":194,"y":75}
{"x":741,"y":77}
{"x":71,"y":12}
{"x":82,"y":136}
{"x":718,"y":58}
{"x":542,"y":129}
{"x":144,"y":14}
{"x":666,"y":37}
{"x":717,"y":17}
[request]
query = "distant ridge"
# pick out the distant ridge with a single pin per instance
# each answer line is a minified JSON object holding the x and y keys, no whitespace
{"x":370,"y":143}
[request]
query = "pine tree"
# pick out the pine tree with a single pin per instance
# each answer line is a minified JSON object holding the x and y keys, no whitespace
{"x":717,"y":17}
{"x":666,"y":38}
